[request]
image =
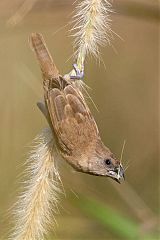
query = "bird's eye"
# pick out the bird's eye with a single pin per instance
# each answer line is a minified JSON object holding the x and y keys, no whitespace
{"x":108,"y":161}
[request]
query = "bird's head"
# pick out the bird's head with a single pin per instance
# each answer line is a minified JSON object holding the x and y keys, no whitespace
{"x":102,"y":162}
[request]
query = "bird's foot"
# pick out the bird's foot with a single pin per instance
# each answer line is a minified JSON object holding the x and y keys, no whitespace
{"x":79,"y":73}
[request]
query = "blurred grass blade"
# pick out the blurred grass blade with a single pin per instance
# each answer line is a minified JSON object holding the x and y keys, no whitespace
{"x":120,"y":225}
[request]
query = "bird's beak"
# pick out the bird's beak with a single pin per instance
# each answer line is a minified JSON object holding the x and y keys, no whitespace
{"x":117,"y":174}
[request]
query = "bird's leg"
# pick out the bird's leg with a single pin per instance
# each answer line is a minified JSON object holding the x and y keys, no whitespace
{"x":79,"y":73}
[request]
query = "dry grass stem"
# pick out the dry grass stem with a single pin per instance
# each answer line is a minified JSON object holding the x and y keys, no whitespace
{"x":22,"y":11}
{"x":39,"y":200}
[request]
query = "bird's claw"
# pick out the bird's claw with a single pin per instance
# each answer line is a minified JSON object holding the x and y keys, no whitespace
{"x":79,"y":73}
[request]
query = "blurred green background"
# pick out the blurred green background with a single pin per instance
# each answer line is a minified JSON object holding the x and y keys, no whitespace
{"x":126,"y":94}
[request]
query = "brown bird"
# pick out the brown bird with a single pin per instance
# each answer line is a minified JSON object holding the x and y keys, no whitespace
{"x":73,"y":126}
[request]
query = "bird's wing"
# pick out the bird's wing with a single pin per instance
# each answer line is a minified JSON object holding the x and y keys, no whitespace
{"x":71,"y":119}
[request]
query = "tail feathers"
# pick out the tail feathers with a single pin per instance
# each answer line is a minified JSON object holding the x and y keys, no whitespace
{"x":45,"y":60}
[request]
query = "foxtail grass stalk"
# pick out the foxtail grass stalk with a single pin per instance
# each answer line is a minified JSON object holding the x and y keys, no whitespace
{"x":92,"y":28}
{"x":38,"y":202}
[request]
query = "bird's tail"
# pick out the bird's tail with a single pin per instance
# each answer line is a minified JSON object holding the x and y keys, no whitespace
{"x":45,"y":60}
